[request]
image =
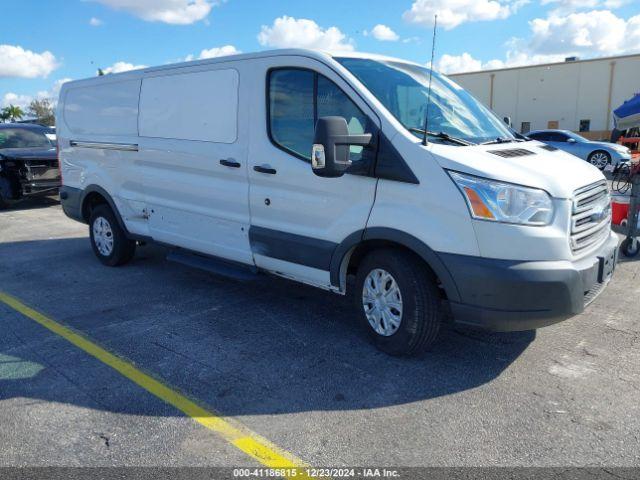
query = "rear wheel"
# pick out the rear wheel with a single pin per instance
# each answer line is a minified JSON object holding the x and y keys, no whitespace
{"x":108,"y":240}
{"x":599,"y":159}
{"x":400,"y":302}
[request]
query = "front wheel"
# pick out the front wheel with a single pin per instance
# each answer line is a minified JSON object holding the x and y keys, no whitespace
{"x":400,"y":302}
{"x":599,"y":159}
{"x":108,"y":240}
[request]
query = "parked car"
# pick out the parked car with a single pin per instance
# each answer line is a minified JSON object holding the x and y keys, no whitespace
{"x":28,"y":162}
{"x":317,"y":168}
{"x":599,"y":154}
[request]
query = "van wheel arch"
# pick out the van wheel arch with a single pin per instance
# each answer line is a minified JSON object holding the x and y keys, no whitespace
{"x":95,"y":196}
{"x":358,"y":245}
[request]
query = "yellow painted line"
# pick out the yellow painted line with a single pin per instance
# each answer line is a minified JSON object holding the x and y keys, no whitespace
{"x":236,"y":434}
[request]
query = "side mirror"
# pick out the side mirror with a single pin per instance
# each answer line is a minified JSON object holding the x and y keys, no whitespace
{"x":571,"y":140}
{"x":507,"y":120}
{"x":330,"y":155}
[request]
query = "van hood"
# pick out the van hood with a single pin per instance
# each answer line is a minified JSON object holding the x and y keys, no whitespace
{"x":557,"y":172}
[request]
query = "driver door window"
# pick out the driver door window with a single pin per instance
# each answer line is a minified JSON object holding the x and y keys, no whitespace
{"x":297,"y":98}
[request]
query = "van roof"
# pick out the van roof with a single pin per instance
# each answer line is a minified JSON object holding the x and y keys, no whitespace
{"x":317,"y":54}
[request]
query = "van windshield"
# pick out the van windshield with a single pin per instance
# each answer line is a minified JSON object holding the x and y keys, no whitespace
{"x":403,"y":88}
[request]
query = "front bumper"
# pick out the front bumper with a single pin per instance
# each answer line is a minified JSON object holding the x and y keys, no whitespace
{"x":618,"y":158}
{"x":508,"y":295}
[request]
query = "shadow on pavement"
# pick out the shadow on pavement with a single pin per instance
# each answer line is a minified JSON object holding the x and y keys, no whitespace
{"x":31,"y":203}
{"x":264,"y":347}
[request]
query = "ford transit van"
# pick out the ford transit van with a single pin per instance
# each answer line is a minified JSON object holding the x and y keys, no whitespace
{"x":318,"y":168}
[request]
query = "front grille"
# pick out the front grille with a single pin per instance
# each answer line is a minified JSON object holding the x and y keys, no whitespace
{"x":591,"y":216}
{"x":512,"y":152}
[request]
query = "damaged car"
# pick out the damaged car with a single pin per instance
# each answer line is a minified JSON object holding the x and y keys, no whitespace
{"x":28,"y":162}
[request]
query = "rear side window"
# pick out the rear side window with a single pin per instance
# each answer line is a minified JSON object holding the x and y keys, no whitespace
{"x":191,"y":106}
{"x":297,"y":98}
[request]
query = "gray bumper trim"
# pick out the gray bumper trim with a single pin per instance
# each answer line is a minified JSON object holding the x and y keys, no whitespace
{"x":71,"y":200}
{"x":507,"y":295}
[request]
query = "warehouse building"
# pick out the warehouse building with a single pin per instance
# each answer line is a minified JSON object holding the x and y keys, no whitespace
{"x":576,"y":95}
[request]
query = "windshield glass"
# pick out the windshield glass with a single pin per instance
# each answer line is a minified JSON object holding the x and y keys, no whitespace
{"x":23,"y":138}
{"x":403,"y":88}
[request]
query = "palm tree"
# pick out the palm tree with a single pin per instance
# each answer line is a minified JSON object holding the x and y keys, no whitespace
{"x":12,"y":112}
{"x":3,"y":116}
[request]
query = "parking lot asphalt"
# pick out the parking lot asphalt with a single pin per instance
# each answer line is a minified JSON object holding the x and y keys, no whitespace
{"x":292,"y":364}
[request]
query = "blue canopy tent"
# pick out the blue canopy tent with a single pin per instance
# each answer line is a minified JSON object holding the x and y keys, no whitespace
{"x":627,"y":115}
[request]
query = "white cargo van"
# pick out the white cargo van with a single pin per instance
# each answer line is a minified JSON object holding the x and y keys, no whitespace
{"x":315,"y":167}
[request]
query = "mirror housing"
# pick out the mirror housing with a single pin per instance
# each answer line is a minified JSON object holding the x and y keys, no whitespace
{"x":571,"y":140}
{"x":331,"y":142}
{"x":507,"y":120}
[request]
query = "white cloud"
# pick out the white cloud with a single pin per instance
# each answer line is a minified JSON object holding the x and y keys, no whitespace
{"x":588,"y":33}
{"x":452,"y":13}
{"x":95,"y":22}
{"x":303,"y":33}
{"x":582,"y":34}
{"x":18,"y":100}
{"x":15,"y":61}
{"x":458,"y":63}
{"x":120,"y":67}
{"x":214,"y":52}
{"x":23,"y":101}
{"x":564,"y":6}
{"x":383,"y":33}
{"x":176,"y":12}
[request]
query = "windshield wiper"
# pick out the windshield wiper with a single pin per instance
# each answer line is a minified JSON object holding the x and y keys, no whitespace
{"x":501,"y":140}
{"x":442,"y":135}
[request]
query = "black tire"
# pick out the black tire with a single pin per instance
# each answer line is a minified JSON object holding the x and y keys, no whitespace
{"x":422,"y":309}
{"x":630,"y":247}
{"x":598,"y":152}
{"x":122,"y":250}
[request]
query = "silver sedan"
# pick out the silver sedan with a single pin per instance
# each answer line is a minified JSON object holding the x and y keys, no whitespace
{"x":599,"y":154}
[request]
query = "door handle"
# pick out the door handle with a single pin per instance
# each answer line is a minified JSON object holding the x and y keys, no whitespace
{"x":230,"y":163}
{"x":265,"y":169}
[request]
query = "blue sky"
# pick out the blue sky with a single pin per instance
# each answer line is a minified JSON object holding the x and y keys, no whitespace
{"x":43,"y":42}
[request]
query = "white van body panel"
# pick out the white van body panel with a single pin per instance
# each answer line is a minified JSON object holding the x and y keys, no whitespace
{"x":104,"y":111}
{"x":299,"y":202}
{"x":432,"y":211}
{"x":107,"y":108}
{"x":194,"y":201}
{"x":177,"y":105}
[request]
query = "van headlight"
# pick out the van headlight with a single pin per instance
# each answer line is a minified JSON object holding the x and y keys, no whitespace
{"x":504,"y":202}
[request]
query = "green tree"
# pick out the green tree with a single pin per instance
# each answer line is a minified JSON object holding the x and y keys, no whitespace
{"x":13,"y":113}
{"x":100,"y":72}
{"x":42,"y":110}
{"x":3,"y":116}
